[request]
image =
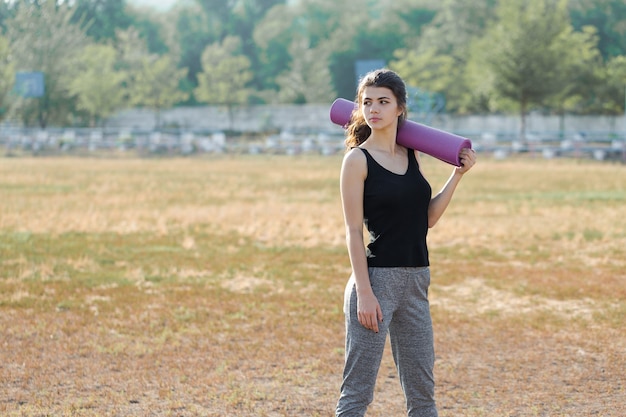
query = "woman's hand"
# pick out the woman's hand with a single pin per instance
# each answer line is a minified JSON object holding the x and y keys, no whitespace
{"x":467,"y":157}
{"x":369,"y":311}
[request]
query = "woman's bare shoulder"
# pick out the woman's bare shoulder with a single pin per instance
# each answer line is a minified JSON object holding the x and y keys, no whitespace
{"x":354,"y":156}
{"x":354,"y":161}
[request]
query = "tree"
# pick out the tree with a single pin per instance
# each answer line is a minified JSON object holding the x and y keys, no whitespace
{"x":6,"y":76}
{"x":5,"y":14}
{"x":429,"y":71}
{"x":131,"y":49}
{"x":236,"y":17}
{"x":579,"y":62}
{"x":206,"y":22}
{"x":244,"y":16}
{"x":527,"y":51}
{"x":219,"y":16}
{"x":291,"y":32}
{"x":190,"y":33}
{"x":608,"y":17}
{"x":225,"y":76}
{"x":436,"y":62}
{"x":101,"y":18}
{"x":98,"y":85}
{"x":609,"y":94}
{"x":409,"y":18}
{"x":272,"y":36}
{"x":156,"y":84}
{"x":479,"y":82}
{"x":152,"y":81}
{"x":131,"y":53}
{"x":456,"y":24}
{"x":346,"y":32}
{"x":308,"y":79}
{"x":150,"y":25}
{"x":44,"y":39}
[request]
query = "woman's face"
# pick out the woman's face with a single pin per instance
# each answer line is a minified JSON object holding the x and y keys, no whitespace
{"x":379,"y":107}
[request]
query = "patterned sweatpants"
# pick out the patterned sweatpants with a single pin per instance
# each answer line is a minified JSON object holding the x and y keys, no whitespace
{"x":403,"y":297}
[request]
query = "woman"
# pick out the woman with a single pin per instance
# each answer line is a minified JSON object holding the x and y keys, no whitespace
{"x":382,"y":187}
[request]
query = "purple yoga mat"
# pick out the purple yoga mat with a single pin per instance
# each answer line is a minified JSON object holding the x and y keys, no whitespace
{"x":434,"y":142}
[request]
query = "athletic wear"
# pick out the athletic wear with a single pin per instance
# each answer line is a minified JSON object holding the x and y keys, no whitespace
{"x":403,"y":297}
{"x":395,"y":210}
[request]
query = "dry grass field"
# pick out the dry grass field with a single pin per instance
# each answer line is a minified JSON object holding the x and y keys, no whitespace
{"x":212,"y":287}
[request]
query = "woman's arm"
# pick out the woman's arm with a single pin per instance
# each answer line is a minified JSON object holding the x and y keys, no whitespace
{"x":439,"y":203}
{"x":353,"y":174}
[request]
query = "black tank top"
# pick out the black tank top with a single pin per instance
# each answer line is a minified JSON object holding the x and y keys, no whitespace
{"x":395,"y":211}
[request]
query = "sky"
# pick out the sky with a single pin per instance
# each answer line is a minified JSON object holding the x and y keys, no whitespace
{"x":164,"y":4}
{"x":157,"y":4}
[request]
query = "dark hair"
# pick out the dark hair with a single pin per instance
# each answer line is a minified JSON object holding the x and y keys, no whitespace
{"x":358,"y":131}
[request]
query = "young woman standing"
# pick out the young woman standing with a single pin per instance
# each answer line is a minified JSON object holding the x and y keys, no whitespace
{"x":382,"y":187}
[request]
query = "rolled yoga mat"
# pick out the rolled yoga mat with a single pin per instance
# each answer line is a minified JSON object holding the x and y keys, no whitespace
{"x":434,"y":142}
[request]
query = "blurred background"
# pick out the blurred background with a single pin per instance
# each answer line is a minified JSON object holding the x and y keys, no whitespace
{"x":546,"y":77}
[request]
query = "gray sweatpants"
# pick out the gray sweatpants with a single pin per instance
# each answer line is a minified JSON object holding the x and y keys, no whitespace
{"x":403,"y":297}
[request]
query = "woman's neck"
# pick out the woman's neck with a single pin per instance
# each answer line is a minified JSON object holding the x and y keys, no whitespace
{"x":383,"y":140}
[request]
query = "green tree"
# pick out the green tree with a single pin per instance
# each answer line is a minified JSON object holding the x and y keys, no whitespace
{"x":5,"y":14}
{"x":43,"y":39}
{"x":101,"y":18}
{"x":341,"y":32}
{"x":346,"y":32}
{"x":156,"y":84}
{"x":245,"y":15}
{"x":236,"y":17}
{"x":456,"y":24}
{"x":7,"y":75}
{"x":150,"y":24}
{"x":479,"y":82}
{"x":430,"y":71}
{"x":527,"y":51}
{"x":408,"y":19}
{"x":218,"y":14}
{"x":151,"y":81}
{"x":192,"y":26}
{"x":189,"y":34}
{"x":131,"y":53}
{"x":131,"y":49}
{"x":273,"y":36}
{"x":205,"y":22}
{"x":609,"y":94}
{"x":443,"y":53}
{"x":308,"y":79}
{"x":579,"y":63}
{"x":225,"y":76}
{"x":608,"y":17}
{"x":98,"y":85}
